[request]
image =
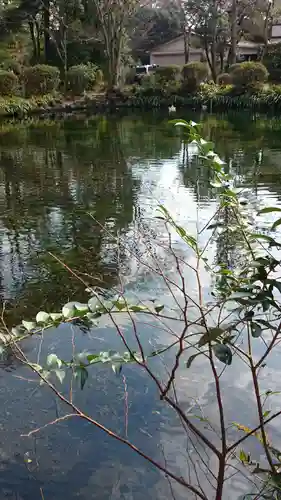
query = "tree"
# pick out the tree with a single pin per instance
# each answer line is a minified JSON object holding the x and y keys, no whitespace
{"x":212,"y":26}
{"x":151,"y":27}
{"x":112,"y":16}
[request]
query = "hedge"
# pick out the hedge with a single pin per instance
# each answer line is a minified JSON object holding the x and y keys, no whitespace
{"x":168,"y":73}
{"x":249,"y":74}
{"x":82,"y":77}
{"x":193,"y":74}
{"x":8,"y":82}
{"x":224,"y":79}
{"x":40,"y":79}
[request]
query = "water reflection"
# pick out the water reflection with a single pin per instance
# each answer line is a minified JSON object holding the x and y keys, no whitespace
{"x":70,"y":188}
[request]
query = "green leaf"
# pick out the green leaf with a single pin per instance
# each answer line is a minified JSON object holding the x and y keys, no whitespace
{"x":191,"y":359}
{"x":190,"y":240}
{"x":53,"y":362}
{"x":36,"y":367}
{"x":223,"y":353}
{"x":267,"y":210}
{"x":260,"y":236}
{"x":56,"y":316}
{"x":256,"y":330}
{"x":105,"y":357}
{"x":138,"y":308}
{"x":60,"y":374}
{"x":46,"y":374}
{"x":18,"y":330}
{"x":81,"y":309}
{"x":212,"y":334}
{"x":93,"y":358}
{"x":268,"y":325}
{"x":93,"y":304}
{"x":83,"y":377}
{"x":276,"y":224}
{"x":275,"y":283}
{"x":183,"y":123}
{"x":215,"y":225}
{"x":240,"y":295}
{"x":266,"y":413}
{"x":120,"y":304}
{"x":127,"y":357}
{"x":42,"y":317}
{"x":244,"y":457}
{"x":158,"y":309}
{"x":29,"y":325}
{"x":69,"y":310}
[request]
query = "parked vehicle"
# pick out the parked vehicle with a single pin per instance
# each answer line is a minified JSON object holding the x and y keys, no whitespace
{"x":143,"y":70}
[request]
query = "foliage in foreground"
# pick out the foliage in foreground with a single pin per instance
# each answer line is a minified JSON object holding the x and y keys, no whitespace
{"x":243,"y":314}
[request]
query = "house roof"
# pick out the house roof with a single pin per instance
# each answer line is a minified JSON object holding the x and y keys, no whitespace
{"x":243,"y":44}
{"x":170,"y":42}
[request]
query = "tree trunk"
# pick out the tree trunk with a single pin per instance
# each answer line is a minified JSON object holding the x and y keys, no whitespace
{"x":266,"y":31}
{"x":33,"y":40}
{"x":47,"y":37}
{"x":221,"y":55}
{"x":232,"y":55}
{"x":186,"y":38}
{"x":214,"y":61}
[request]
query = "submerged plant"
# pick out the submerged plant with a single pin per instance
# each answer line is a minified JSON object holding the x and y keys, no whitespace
{"x":243,"y":312}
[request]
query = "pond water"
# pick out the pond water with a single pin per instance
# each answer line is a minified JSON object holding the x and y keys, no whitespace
{"x":75,"y":188}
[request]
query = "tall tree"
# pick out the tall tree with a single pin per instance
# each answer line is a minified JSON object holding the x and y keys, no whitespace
{"x":213,"y":28}
{"x":113,"y":17}
{"x":153,"y":26}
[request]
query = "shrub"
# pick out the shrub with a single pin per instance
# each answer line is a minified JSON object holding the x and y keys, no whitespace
{"x":249,"y":74}
{"x":98,"y":76}
{"x":41,"y":79}
{"x":224,"y":79}
{"x":4,"y":55}
{"x":193,"y":74}
{"x":8,"y":82}
{"x":168,"y":73}
{"x":81,"y":77}
{"x":272,"y":61}
{"x":12,"y":65}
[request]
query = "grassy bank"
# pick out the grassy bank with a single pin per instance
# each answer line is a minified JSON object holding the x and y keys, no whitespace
{"x":213,"y":97}
{"x":45,"y":104}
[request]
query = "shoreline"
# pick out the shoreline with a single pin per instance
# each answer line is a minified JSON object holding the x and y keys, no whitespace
{"x":17,"y":107}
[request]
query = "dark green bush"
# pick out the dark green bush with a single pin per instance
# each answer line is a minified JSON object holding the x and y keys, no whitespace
{"x":11,"y":65}
{"x":249,"y":74}
{"x":272,"y":61}
{"x":233,"y":67}
{"x":224,"y":79}
{"x":82,"y":77}
{"x":8,"y":82}
{"x":193,"y":74}
{"x":41,"y":79}
{"x":4,"y":55}
{"x":168,"y":73}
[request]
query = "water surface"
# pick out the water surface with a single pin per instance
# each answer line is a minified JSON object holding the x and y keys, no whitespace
{"x":76,"y":188}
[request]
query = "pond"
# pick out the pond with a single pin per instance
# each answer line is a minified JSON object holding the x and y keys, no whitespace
{"x":74,"y":189}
